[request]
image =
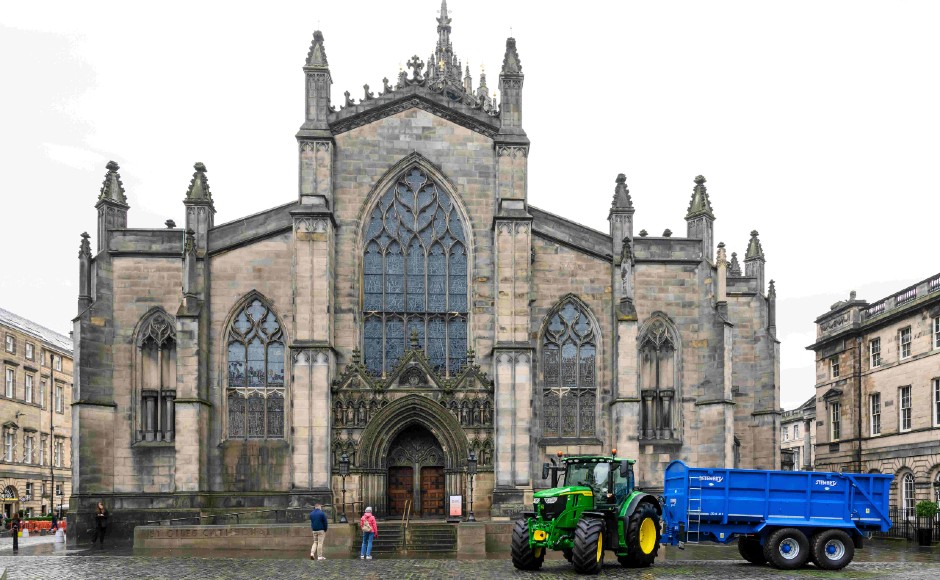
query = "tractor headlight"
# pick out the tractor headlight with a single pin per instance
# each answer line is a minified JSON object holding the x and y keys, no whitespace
{"x":550,"y":500}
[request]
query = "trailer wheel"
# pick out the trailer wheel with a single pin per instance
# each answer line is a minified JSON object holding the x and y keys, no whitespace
{"x":524,"y":557}
{"x":643,"y":537}
{"x":832,"y":549}
{"x":588,"y":553}
{"x":751,"y":550}
{"x":787,"y":549}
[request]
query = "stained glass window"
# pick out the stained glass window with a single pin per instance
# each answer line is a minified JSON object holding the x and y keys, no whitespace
{"x":256,"y":358}
{"x":569,"y":348}
{"x":415,"y":272}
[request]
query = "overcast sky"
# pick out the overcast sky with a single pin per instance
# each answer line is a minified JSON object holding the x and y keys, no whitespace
{"x":815,"y":123}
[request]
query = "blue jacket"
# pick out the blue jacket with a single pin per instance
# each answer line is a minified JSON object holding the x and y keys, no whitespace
{"x":318,"y":521}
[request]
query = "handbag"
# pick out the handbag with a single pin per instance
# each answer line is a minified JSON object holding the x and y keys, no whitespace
{"x":366,"y":526}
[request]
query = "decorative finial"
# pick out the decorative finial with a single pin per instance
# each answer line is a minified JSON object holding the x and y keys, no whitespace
{"x":415,"y":64}
{"x":189,"y":242}
{"x":772,"y":291}
{"x":754,"y":249}
{"x":622,"y":198}
{"x":112,"y":189}
{"x":471,"y":355}
{"x":199,"y":185}
{"x":316,"y":56}
{"x":734,"y":269}
{"x":170,"y":224}
{"x":511,"y":63}
{"x":699,"y":205}
{"x":368,"y":94}
{"x":643,"y":233}
{"x":667,"y":233}
{"x":355,"y":356}
{"x":414,"y":339}
{"x":84,"y":249}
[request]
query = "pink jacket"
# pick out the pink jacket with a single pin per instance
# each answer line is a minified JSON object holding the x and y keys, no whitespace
{"x":371,"y":519}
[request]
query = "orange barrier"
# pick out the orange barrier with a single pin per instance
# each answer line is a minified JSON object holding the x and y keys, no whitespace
{"x":39,"y":525}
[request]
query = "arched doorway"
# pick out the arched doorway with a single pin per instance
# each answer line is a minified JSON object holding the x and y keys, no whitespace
{"x":11,"y":501}
{"x":416,"y":473}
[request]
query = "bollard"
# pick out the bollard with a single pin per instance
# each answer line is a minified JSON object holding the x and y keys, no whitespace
{"x":59,"y":536}
{"x":25,"y":533}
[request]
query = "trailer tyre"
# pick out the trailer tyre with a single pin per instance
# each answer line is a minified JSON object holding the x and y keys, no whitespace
{"x":832,"y":549}
{"x":751,"y":550}
{"x":588,"y":553}
{"x":524,"y":557}
{"x":643,"y":537}
{"x":787,"y":549}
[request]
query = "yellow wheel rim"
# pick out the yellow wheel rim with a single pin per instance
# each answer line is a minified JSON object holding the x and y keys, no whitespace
{"x":647,"y":536}
{"x":600,"y":546}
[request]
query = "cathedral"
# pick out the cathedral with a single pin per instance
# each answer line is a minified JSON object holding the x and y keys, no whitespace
{"x":408,"y":309}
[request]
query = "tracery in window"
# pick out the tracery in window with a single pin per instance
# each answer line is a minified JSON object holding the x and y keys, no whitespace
{"x":658,"y":378}
{"x":569,"y":389}
{"x":156,"y":344}
{"x":255,"y":391}
{"x":415,"y":277}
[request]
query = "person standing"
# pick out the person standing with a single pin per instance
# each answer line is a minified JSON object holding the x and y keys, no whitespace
{"x":369,"y":531}
{"x":15,"y":526}
{"x":101,"y":523}
{"x":319,"y":526}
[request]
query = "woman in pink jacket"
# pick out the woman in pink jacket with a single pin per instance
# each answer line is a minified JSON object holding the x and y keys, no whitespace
{"x":369,"y":531}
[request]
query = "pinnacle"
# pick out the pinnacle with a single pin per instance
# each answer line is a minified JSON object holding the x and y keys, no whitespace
{"x":699,"y":205}
{"x":316,"y":56}
{"x":754,"y":249}
{"x":622,"y":198}
{"x":511,"y":63}
{"x":112,"y":189}
{"x":199,"y":186}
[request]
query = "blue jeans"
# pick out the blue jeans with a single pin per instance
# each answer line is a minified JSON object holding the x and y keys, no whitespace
{"x":366,"y":543}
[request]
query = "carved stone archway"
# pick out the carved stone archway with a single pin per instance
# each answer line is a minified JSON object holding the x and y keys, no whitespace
{"x":384,"y":429}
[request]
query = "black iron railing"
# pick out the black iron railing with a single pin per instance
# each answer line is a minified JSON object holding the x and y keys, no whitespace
{"x":906,"y":523}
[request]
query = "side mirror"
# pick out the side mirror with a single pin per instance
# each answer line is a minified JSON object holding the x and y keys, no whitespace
{"x":624,"y":468}
{"x":544,"y":471}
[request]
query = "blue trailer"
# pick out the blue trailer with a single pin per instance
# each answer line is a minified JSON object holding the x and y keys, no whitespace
{"x":785,"y":518}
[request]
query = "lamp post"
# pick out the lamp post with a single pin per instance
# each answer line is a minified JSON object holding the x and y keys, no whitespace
{"x":471,"y":471}
{"x":343,"y":472}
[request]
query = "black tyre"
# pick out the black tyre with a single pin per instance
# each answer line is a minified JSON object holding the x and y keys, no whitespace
{"x":524,"y":557}
{"x":751,"y":550}
{"x":832,"y":549}
{"x":643,"y":537}
{"x":787,"y":549}
{"x":588,"y":553}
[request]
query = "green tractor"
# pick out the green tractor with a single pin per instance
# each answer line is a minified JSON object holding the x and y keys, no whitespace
{"x":597,"y":509}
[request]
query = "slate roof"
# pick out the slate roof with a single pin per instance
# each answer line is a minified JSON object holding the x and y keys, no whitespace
{"x":51,"y":337}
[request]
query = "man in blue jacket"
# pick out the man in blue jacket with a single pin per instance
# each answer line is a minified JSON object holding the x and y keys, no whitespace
{"x":318,"y":525}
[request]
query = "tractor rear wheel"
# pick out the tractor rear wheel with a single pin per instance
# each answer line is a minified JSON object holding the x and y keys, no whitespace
{"x":832,"y":549}
{"x":751,"y":550}
{"x":588,"y":553}
{"x":524,"y":556}
{"x":643,"y":537}
{"x":787,"y":549}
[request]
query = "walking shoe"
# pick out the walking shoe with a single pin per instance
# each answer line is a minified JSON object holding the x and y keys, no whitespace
{"x":321,"y":558}
{"x":361,"y":557}
{"x":312,"y":558}
{"x":368,"y":557}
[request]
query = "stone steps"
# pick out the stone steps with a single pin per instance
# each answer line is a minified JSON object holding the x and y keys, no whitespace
{"x":420,"y":539}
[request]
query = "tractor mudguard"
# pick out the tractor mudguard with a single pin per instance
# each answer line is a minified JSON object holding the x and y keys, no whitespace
{"x":527,"y":514}
{"x":595,"y":515}
{"x":631,"y":507}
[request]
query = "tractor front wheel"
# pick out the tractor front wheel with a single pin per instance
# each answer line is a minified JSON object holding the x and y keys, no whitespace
{"x":524,"y":556}
{"x":643,"y":537}
{"x":588,"y":553}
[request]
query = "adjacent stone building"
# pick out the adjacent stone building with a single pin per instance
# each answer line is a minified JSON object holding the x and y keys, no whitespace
{"x":36,"y":416}
{"x":798,"y":437}
{"x":878,"y":390}
{"x":407,"y":309}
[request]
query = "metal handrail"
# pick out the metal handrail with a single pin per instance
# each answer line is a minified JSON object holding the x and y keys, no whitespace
{"x":235,"y":514}
{"x":405,"y":520}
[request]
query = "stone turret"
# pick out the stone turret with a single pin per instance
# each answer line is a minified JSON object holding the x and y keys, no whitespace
{"x":700,"y":219}
{"x":315,"y":140}
{"x":200,"y":210}
{"x":510,"y":88}
{"x":318,"y":81}
{"x":112,"y":205}
{"x":754,"y":260}
{"x":84,"y":273}
{"x":620,"y":216}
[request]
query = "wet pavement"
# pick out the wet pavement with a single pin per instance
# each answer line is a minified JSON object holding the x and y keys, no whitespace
{"x":46,"y":559}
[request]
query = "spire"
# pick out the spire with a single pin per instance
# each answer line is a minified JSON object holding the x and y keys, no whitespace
{"x":199,"y":186}
{"x":699,"y":204}
{"x":754,"y":249}
{"x":772,"y":290}
{"x":511,"y":63}
{"x":316,"y":56}
{"x":112,"y":189}
{"x":468,"y":82}
{"x":622,"y":198}
{"x":84,"y":249}
{"x":734,"y":268}
{"x":443,"y":27}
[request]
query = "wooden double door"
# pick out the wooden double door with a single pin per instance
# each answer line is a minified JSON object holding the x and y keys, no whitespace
{"x":416,"y":473}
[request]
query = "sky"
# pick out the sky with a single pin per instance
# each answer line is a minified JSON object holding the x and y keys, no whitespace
{"x":815,"y":123}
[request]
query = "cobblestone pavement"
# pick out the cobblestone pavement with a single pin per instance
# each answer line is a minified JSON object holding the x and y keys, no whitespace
{"x":85,"y":565}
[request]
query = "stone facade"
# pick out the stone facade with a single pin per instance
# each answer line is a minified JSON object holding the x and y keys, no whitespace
{"x":29,"y":411}
{"x":878,"y":390}
{"x":409,"y":309}
{"x":798,"y":437}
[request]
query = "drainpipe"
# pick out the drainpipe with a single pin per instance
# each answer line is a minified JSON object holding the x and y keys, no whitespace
{"x":858,"y":391}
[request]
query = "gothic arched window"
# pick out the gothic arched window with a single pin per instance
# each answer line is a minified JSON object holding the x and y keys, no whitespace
{"x":658,"y":344}
{"x":569,"y":386}
{"x":255,"y":392}
{"x":156,"y":349}
{"x":415,"y":276}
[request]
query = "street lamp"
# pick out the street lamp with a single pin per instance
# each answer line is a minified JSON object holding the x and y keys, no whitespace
{"x":471,"y":471}
{"x":343,"y":472}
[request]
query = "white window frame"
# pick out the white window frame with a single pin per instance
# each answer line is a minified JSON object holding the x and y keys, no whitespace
{"x":8,"y":445}
{"x":28,"y":393}
{"x":9,"y":383}
{"x":908,"y":497}
{"x":11,"y":344}
{"x":28,"y":449}
{"x":58,"y":449}
{"x":936,"y":332}
{"x":834,"y":367}
{"x":874,"y":410}
{"x":59,"y":399}
{"x":57,"y":362}
{"x":905,"y":409}
{"x":42,"y":450}
{"x":786,"y":434}
{"x":796,"y":431}
{"x":904,"y":347}
{"x":935,"y":383}
{"x":30,"y":351}
{"x":874,"y":353}
{"x":835,"y":421}
{"x":42,"y":393}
